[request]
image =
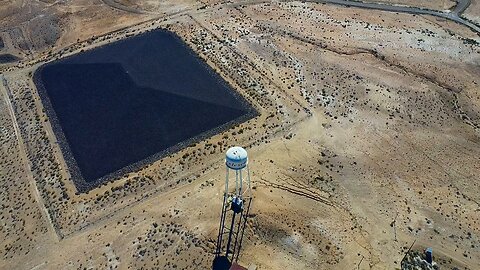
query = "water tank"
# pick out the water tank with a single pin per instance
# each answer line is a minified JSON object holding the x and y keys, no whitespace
{"x":236,"y":158}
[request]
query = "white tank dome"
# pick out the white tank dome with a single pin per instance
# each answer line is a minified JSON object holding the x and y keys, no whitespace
{"x":236,"y":158}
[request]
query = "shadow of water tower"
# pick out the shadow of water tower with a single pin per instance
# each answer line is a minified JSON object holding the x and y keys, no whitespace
{"x":237,"y":199}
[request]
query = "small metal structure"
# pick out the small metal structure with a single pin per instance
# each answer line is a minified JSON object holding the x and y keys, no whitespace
{"x":428,"y":255}
{"x":235,"y":208}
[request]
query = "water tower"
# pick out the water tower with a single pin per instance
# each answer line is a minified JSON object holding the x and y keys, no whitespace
{"x":237,"y":198}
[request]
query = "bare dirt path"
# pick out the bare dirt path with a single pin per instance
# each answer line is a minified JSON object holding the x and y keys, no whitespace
{"x":461,"y":6}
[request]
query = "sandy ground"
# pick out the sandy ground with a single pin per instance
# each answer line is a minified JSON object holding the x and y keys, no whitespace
{"x":473,"y":12}
{"x":367,"y":140}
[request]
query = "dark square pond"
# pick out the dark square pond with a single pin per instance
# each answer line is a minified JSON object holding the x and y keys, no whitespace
{"x":129,"y":103}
